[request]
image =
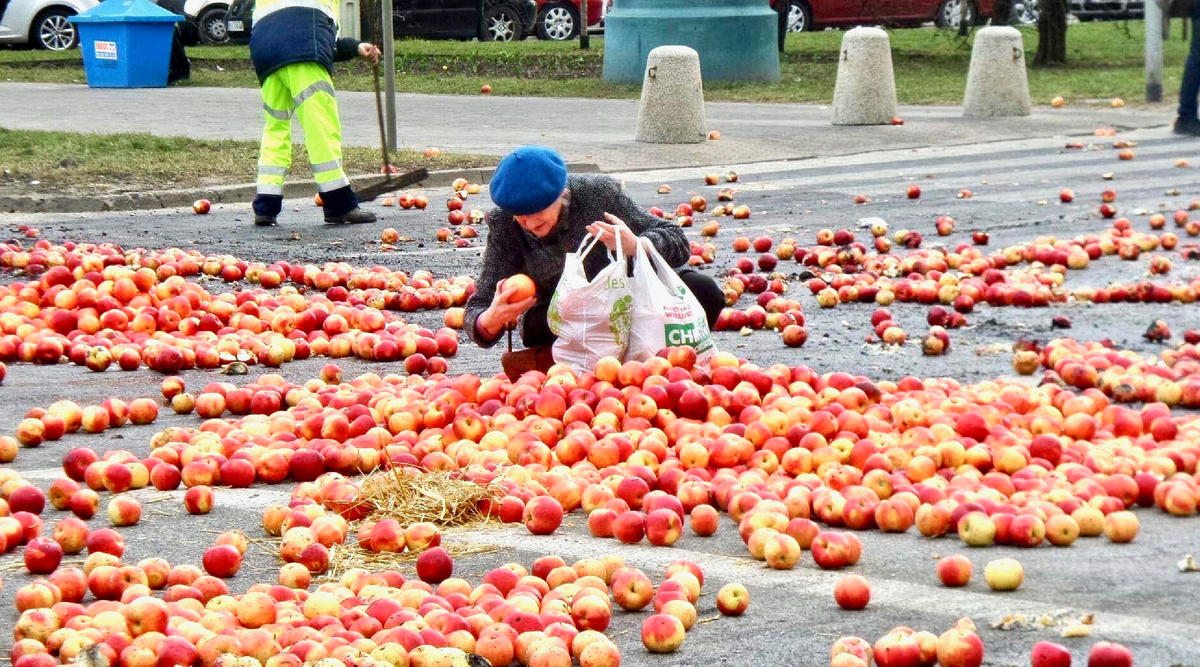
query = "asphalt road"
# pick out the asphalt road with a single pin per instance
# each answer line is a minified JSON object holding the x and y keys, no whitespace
{"x":583,"y":130}
{"x":1138,"y":596}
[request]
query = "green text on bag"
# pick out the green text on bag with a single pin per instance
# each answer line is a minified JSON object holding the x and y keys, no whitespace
{"x":621,"y":319}
{"x":691,"y":334}
{"x":554,"y":315}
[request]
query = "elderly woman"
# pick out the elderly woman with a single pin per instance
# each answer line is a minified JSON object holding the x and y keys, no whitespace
{"x":542,"y":215}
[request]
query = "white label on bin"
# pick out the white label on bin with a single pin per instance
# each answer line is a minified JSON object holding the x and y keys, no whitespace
{"x":236,"y":26}
{"x":106,"y":50}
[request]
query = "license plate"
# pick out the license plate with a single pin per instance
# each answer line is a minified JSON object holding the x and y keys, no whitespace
{"x":235,"y":26}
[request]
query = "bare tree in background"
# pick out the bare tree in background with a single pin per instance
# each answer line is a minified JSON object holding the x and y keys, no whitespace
{"x":371,"y":12}
{"x":1052,"y":33}
{"x":1002,"y":12}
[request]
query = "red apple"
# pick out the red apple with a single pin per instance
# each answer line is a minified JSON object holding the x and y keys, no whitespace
{"x":222,"y":560}
{"x":852,"y":592}
{"x":42,"y":555}
{"x":543,"y":515}
{"x":1049,"y":654}
{"x":1109,"y":654}
{"x":435,"y":565}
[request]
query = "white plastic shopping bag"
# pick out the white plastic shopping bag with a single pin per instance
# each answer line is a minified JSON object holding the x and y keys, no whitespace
{"x":591,"y":318}
{"x":665,"y":312}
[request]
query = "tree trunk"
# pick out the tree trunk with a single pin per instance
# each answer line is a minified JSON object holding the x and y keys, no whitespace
{"x":1002,"y":12}
{"x":1052,"y":33}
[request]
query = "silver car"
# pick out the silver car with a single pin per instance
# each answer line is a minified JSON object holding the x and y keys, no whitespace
{"x":42,"y":23}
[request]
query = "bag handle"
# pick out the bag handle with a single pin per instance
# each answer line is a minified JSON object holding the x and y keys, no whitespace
{"x":646,"y":251}
{"x":641,"y":256}
{"x":582,"y":252}
{"x":589,"y":240}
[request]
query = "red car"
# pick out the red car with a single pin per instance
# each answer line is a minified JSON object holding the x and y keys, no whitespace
{"x":815,"y":14}
{"x":558,"y":20}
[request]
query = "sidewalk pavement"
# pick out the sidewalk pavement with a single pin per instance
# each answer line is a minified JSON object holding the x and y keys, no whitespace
{"x":583,"y":130}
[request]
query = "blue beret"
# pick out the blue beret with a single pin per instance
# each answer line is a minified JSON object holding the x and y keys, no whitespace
{"x":528,"y":180}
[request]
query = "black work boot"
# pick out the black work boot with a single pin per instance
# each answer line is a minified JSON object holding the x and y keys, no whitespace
{"x":266,"y":208}
{"x":355,"y":216}
{"x":1188,"y":126}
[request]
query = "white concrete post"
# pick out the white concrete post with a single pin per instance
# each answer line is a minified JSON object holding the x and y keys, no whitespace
{"x":865,"y":92}
{"x":672,"y":104}
{"x":997,"y":84}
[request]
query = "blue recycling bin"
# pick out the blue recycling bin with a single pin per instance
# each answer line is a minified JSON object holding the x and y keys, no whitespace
{"x":126,"y":43}
{"x":737,"y":39}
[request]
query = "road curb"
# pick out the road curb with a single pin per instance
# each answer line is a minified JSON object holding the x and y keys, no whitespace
{"x":225,"y":194}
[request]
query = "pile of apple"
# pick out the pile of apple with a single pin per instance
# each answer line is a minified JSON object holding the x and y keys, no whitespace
{"x":964,"y":276}
{"x":1121,"y":375}
{"x":459,"y":232}
{"x":545,"y":615}
{"x":959,"y":646}
{"x":98,"y":307}
{"x":772,"y":310}
{"x":684,"y":214}
{"x":406,"y":201}
{"x":701,"y":253}
{"x":641,"y":447}
{"x":378,"y":287}
{"x":86,"y":260}
{"x":734,"y":438}
{"x":308,"y":531}
{"x":957,"y":279}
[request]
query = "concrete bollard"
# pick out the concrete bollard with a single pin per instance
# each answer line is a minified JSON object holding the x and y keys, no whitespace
{"x":865,"y":92}
{"x":997,"y":84}
{"x":672,"y":105}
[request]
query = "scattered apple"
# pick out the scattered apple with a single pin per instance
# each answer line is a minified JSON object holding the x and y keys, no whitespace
{"x":1004,"y":574}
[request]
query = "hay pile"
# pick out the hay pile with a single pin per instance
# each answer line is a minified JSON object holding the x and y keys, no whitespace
{"x":409,"y":496}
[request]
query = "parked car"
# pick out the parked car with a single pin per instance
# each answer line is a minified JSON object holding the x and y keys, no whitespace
{"x":238,"y":20}
{"x":504,"y":20}
{"x":558,"y":20}
{"x":207,"y":18}
{"x":813,"y":14}
{"x":1106,"y":10}
{"x":188,"y":33}
{"x":42,"y":23}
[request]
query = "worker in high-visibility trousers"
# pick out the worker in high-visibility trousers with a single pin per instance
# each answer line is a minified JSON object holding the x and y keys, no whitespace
{"x":293,"y":44}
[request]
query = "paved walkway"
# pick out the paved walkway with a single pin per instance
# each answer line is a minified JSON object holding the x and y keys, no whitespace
{"x":584,"y":130}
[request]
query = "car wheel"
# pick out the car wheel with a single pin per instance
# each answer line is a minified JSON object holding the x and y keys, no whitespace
{"x":212,"y":26}
{"x":799,"y":17}
{"x":502,"y":25}
{"x":1026,"y":12}
{"x":950,"y":13}
{"x":558,"y":23}
{"x":53,"y":32}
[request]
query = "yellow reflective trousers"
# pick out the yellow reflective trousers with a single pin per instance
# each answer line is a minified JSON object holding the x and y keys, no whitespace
{"x":303,"y":89}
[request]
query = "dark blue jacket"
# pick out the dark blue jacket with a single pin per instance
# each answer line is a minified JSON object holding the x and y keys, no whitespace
{"x":297,"y":35}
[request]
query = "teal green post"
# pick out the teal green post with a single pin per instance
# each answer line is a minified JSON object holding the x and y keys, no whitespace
{"x":737,"y":39}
